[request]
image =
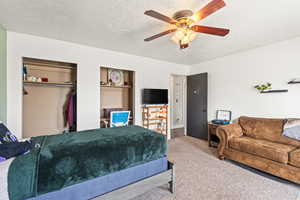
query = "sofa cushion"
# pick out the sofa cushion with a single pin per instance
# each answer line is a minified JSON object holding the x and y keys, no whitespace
{"x":266,"y":149}
{"x":295,"y":158}
{"x":266,"y":129}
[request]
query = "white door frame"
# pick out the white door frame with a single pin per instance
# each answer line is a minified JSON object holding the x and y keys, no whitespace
{"x":184,"y":101}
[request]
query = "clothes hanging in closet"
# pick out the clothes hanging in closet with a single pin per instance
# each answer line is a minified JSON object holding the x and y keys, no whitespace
{"x":71,"y":111}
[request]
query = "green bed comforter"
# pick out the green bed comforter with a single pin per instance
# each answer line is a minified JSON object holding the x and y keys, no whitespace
{"x":72,"y":158}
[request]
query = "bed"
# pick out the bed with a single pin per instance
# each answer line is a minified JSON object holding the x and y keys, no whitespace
{"x":113,"y":163}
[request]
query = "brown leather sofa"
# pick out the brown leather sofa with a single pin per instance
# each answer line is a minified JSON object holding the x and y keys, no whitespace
{"x":258,"y":142}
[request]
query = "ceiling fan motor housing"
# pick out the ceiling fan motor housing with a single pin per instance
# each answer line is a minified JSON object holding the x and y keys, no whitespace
{"x":182,"y":14}
{"x":183,"y":18}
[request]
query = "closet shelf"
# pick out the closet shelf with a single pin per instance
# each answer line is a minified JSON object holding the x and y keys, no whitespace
{"x":107,"y":86}
{"x":49,"y":84}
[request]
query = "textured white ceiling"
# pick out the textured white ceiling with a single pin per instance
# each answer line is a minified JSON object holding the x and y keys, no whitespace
{"x":120,"y":25}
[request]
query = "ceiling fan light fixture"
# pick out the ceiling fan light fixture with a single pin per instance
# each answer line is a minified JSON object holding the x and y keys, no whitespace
{"x":184,"y":36}
{"x":183,"y":45}
{"x":196,"y":17}
{"x":178,"y":35}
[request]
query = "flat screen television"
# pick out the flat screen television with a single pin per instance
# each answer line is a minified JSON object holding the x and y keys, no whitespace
{"x":155,"y":96}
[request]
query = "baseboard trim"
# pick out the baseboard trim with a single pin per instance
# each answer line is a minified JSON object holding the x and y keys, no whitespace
{"x":178,"y":126}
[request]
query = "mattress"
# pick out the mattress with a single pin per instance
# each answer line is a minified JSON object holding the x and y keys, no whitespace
{"x":104,"y":184}
{"x":73,"y":158}
{"x":4,"y":167}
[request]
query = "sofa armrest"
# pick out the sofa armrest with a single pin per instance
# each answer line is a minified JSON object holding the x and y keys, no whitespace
{"x":225,"y":133}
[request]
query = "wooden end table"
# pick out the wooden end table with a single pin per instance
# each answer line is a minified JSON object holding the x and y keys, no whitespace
{"x":213,"y":139}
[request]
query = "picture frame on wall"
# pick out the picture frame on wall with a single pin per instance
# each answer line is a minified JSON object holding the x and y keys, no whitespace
{"x":224,"y":115}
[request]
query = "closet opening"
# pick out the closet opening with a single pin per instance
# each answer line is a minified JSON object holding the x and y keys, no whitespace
{"x":49,"y":97}
{"x":117,"y":94}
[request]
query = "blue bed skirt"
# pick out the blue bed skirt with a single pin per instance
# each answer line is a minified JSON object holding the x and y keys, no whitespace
{"x":99,"y":186}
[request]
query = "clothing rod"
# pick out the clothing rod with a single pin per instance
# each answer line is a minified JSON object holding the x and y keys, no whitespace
{"x":45,"y":84}
{"x":49,"y":65}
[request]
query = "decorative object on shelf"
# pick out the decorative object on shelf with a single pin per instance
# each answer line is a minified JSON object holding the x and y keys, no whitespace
{"x":25,"y":73}
{"x":45,"y":79}
{"x":31,"y":78}
{"x":263,"y":87}
{"x":109,"y":82}
{"x":35,"y":79}
{"x":155,"y":117}
{"x":116,"y":77}
{"x":25,"y":91}
{"x":294,"y":81}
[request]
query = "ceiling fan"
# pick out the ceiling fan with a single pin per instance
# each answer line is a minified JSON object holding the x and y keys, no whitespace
{"x":185,"y":21}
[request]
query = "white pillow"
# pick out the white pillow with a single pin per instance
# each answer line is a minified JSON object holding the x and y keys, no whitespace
{"x":290,"y":123}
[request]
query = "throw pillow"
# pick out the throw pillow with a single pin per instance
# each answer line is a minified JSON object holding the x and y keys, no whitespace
{"x":5,"y":135}
{"x":12,"y":149}
{"x":291,"y":129}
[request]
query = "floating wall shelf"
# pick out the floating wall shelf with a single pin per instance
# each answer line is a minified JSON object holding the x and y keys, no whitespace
{"x":274,"y":91}
{"x":294,"y":82}
{"x":111,"y":86}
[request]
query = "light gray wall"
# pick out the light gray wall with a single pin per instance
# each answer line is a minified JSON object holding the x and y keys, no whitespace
{"x":231,"y":81}
{"x":3,"y":74}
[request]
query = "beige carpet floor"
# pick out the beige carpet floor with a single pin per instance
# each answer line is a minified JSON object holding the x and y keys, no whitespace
{"x":201,"y":176}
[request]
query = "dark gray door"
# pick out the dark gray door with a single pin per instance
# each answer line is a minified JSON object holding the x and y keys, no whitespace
{"x":197,"y":106}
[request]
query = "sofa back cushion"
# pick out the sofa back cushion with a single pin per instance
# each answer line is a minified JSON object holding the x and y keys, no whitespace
{"x":267,"y":129}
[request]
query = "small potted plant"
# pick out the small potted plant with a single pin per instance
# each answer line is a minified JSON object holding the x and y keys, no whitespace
{"x":263,"y":87}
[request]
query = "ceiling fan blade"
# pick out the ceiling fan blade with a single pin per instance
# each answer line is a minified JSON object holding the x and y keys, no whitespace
{"x":160,"y":35}
{"x":159,"y":16}
{"x":210,"y":30}
{"x":209,"y":9}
